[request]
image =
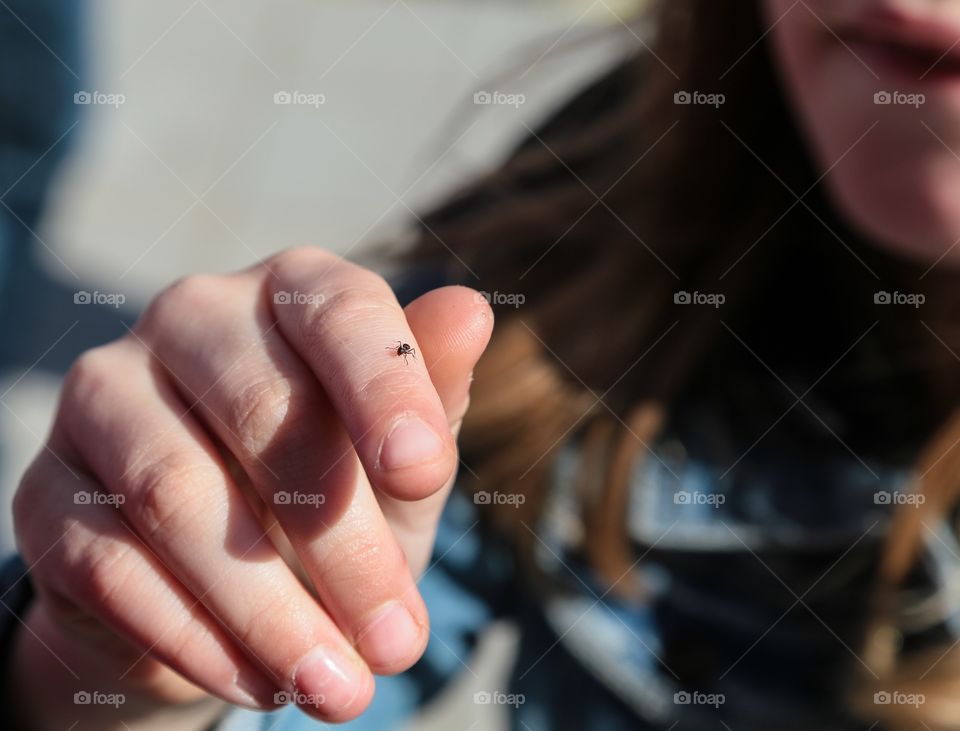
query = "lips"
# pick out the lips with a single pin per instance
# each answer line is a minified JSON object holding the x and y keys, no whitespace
{"x":913,"y":48}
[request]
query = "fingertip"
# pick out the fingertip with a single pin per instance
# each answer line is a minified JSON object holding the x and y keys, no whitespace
{"x":456,"y":318}
{"x":453,"y":326}
{"x":331,"y":683}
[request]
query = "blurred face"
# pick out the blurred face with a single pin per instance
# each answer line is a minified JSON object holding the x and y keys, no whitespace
{"x":876,"y":87}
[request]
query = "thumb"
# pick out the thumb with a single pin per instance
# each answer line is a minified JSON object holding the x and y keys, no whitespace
{"x":452,"y":325}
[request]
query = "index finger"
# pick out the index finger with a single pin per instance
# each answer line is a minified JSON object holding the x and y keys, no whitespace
{"x":346,"y":324}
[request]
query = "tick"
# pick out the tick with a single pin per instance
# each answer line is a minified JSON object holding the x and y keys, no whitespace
{"x":404,"y":349}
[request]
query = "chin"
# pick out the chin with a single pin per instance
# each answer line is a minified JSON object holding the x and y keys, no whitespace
{"x":918,"y":219}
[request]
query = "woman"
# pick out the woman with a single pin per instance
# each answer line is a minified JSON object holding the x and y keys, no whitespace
{"x":711,"y":447}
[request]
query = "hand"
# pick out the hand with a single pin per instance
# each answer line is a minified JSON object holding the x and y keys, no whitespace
{"x":236,"y":497}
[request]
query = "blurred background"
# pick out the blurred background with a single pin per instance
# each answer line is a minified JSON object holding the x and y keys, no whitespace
{"x":208,"y":134}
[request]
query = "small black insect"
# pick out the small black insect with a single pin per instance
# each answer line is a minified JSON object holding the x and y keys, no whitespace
{"x":404,"y":349}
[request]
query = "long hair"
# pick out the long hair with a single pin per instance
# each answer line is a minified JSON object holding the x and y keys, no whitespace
{"x":603,"y":218}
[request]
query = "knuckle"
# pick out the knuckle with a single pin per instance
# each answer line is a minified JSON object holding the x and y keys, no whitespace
{"x":163,"y":498}
{"x":361,"y":565}
{"x":296,"y":256}
{"x":185,"y":297}
{"x":404,"y":386}
{"x":181,"y":639}
{"x":265,"y":623}
{"x":345,"y":309}
{"x":376,"y":282}
{"x":259,"y":411}
{"x":87,"y":386}
{"x":90,"y":375}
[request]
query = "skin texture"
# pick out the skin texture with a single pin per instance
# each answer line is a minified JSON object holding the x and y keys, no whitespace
{"x":892,"y":170}
{"x":186,"y":581}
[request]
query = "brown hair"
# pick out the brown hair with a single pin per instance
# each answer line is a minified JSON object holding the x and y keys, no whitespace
{"x":617,"y":203}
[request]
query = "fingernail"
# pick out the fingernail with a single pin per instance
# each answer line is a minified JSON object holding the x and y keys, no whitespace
{"x":326,"y":679}
{"x":409,"y":443}
{"x":390,"y":637}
